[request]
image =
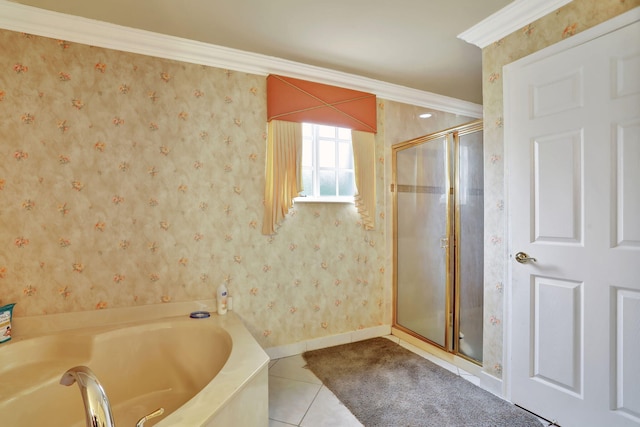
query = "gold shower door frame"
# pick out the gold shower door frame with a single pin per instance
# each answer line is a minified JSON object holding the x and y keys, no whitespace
{"x":453,"y":227}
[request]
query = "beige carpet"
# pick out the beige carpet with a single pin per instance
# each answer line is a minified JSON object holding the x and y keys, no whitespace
{"x":386,"y":385}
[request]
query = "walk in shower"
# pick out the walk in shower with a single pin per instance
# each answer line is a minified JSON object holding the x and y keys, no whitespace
{"x":438,"y":239}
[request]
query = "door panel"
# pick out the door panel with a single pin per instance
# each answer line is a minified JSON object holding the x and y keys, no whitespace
{"x":626,"y":204}
{"x":625,"y":72}
{"x":557,"y":188}
{"x":557,"y":345}
{"x":628,"y":349}
{"x":557,"y":94}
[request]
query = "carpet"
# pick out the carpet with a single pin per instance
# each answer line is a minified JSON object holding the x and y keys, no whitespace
{"x":385,"y":385}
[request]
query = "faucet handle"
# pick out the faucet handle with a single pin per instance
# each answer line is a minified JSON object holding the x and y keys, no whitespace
{"x":146,"y":418}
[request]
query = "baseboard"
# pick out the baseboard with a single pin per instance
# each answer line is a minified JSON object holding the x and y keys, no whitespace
{"x":287,"y":350}
{"x":491,"y":384}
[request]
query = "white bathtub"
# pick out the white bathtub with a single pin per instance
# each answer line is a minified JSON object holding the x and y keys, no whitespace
{"x":203,"y":372}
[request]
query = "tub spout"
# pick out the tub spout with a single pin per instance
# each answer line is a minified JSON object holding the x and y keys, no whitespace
{"x":96,"y":404}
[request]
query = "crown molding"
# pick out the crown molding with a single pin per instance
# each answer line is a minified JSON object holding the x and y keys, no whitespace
{"x":509,"y":19}
{"x":32,"y":20}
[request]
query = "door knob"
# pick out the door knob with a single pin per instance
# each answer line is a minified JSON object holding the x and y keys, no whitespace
{"x":523,"y":258}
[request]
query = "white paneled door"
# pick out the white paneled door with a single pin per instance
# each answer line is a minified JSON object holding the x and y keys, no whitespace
{"x":572,"y":132}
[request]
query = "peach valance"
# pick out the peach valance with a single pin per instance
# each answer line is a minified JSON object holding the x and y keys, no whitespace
{"x":296,"y":100}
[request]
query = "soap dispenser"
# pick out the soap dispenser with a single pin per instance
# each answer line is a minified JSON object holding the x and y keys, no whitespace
{"x":221,"y":299}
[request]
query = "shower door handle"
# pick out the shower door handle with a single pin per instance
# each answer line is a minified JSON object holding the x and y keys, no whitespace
{"x":444,"y":242}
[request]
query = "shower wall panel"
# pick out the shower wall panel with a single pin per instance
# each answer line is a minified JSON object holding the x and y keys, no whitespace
{"x":470,"y":245}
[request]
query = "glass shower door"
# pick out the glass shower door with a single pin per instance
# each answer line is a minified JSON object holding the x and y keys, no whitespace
{"x":422,"y":249}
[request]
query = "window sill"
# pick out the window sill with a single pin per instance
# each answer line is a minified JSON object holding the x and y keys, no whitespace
{"x":326,"y":199}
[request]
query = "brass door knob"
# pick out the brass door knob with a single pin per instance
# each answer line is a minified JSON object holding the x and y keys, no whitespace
{"x":523,"y":258}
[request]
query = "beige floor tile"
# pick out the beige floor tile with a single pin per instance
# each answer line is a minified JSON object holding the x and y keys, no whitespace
{"x":289,"y":399}
{"x":327,"y":411}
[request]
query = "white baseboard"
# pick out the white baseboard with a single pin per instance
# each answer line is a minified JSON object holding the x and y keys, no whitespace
{"x":329,"y":341}
{"x":491,"y":384}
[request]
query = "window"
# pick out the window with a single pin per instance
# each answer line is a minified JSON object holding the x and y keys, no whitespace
{"x":327,"y":164}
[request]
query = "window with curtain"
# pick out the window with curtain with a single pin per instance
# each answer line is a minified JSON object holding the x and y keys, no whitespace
{"x":290,"y":102}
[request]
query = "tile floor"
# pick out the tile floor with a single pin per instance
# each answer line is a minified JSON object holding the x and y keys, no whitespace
{"x":298,"y":398}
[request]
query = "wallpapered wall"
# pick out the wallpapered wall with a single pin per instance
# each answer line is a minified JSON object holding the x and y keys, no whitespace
{"x":567,"y":21}
{"x":129,"y":180}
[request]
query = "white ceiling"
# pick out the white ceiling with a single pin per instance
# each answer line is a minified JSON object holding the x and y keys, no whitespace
{"x":411,"y":43}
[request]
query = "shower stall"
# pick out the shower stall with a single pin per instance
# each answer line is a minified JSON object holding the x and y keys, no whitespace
{"x":438,"y":239}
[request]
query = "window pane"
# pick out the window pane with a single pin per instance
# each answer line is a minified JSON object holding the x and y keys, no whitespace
{"x":326,"y":131}
{"x":344,"y":133}
{"x":327,"y":183}
{"x":307,"y":182}
{"x":307,"y":153}
{"x":326,"y":154}
{"x":345,"y":156}
{"x":347,"y":186}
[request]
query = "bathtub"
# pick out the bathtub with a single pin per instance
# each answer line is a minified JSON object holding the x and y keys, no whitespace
{"x":203,"y":372}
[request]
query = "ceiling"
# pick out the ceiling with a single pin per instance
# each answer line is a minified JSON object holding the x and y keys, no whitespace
{"x":411,"y":43}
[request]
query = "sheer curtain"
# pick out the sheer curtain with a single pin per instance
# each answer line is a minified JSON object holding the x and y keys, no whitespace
{"x":283,"y":178}
{"x":364,"y":164}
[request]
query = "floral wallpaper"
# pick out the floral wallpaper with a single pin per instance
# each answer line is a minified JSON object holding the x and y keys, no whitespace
{"x":567,"y":21}
{"x":129,"y":180}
